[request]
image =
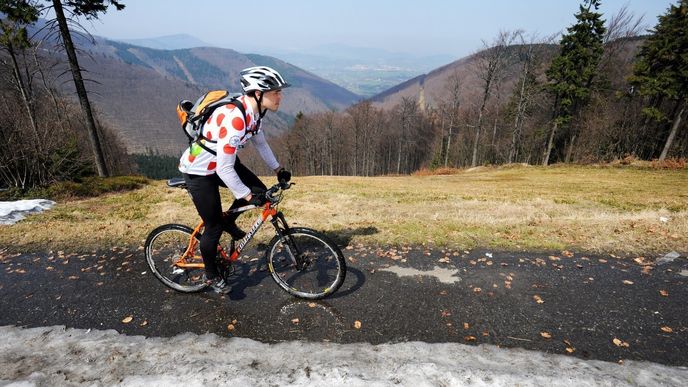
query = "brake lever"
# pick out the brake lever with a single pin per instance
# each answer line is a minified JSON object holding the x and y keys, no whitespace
{"x":285,"y":185}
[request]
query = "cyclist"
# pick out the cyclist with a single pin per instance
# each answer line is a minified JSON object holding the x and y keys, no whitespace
{"x":205,"y":173}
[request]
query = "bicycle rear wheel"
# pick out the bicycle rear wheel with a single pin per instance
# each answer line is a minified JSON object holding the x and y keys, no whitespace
{"x":306,"y":264}
{"x":166,"y":247}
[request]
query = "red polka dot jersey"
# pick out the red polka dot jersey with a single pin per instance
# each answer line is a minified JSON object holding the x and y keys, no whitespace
{"x":228,"y":127}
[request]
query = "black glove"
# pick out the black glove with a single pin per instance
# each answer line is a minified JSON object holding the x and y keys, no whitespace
{"x":258,"y":198}
{"x":283,"y":176}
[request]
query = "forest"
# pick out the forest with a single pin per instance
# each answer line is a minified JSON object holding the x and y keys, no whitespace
{"x":606,"y":89}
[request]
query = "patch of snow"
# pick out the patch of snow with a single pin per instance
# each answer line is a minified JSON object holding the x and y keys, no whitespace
{"x":12,"y":212}
{"x":58,"y":356}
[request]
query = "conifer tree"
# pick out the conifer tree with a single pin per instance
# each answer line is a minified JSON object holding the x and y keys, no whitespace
{"x":572,"y":73}
{"x":661,"y":71}
{"x":90,"y":9}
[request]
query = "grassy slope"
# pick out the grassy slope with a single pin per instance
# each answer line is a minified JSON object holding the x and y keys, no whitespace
{"x":596,"y":209}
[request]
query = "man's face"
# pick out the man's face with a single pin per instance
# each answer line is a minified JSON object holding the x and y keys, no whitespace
{"x":272,"y":99}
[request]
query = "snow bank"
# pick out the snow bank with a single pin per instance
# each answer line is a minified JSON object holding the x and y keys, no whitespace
{"x":59,"y":356}
{"x":12,"y":212}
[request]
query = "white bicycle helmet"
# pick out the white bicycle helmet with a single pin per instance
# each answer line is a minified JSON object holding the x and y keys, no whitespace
{"x":261,"y":78}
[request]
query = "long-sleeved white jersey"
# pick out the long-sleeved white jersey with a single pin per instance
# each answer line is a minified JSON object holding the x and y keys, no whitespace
{"x":227,"y":126}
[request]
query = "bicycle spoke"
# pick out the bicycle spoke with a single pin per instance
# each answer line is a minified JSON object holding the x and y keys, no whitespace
{"x":315,"y":272}
{"x":165,"y":247}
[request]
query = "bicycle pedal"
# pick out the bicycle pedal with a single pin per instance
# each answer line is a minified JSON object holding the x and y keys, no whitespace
{"x":177,"y":270}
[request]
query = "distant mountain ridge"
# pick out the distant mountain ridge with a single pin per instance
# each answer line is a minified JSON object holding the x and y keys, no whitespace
{"x":431,"y":88}
{"x":168,"y":42}
{"x":138,"y":88}
{"x":362,"y":70}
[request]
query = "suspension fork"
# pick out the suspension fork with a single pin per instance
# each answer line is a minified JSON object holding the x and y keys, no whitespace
{"x":282,"y":230}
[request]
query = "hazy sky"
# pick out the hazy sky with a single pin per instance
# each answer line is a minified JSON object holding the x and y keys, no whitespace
{"x":455,"y":27}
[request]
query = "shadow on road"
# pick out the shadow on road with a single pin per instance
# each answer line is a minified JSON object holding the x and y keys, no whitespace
{"x":249,"y":275}
{"x":343,"y":236}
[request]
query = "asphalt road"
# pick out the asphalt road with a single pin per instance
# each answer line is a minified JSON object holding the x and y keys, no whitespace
{"x":592,"y":307}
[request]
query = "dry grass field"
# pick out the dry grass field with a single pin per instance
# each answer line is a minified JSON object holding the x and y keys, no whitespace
{"x":621,"y":210}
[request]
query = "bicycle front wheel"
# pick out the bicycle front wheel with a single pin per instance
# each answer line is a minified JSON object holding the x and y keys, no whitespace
{"x":175,"y":258}
{"x":306,"y":263}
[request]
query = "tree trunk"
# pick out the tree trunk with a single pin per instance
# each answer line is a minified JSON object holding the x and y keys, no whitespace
{"x":550,"y":143}
{"x":474,"y":159}
{"x":672,"y":134}
{"x":569,"y":152}
{"x":26,"y":98}
{"x":80,"y":89}
{"x":520,"y":112}
{"x":446,"y":152}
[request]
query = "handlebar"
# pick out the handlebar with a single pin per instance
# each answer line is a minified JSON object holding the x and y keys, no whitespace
{"x":272,"y":193}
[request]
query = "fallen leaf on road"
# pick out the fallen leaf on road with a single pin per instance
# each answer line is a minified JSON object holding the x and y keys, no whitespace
{"x":446,"y":313}
{"x":357,"y":324}
{"x":546,"y":335}
{"x":469,"y":338}
{"x":570,"y":349}
{"x":230,"y":327}
{"x":554,"y":258}
{"x":664,"y":293}
{"x":538,"y":299}
{"x":295,"y":321}
{"x":127,"y":319}
{"x":143,"y":324}
{"x":477,"y":290}
{"x":627,"y":282}
{"x":466,"y":326}
{"x":666,"y":329}
{"x":619,"y":343}
{"x":312,"y":304}
{"x":567,"y":253}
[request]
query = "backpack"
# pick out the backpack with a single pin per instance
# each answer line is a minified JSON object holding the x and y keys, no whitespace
{"x":193,"y":116}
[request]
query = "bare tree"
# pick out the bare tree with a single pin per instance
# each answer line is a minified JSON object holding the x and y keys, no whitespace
{"x":15,"y":42}
{"x":449,"y":112}
{"x":491,"y":64}
{"x":529,"y":55}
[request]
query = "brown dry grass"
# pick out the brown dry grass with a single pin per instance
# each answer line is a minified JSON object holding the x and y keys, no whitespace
{"x":620,"y":210}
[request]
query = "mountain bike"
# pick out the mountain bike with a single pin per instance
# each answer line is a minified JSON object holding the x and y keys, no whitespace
{"x":303,"y":262}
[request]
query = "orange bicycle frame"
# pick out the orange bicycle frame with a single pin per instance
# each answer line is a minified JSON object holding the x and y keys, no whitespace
{"x":189,"y":260}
